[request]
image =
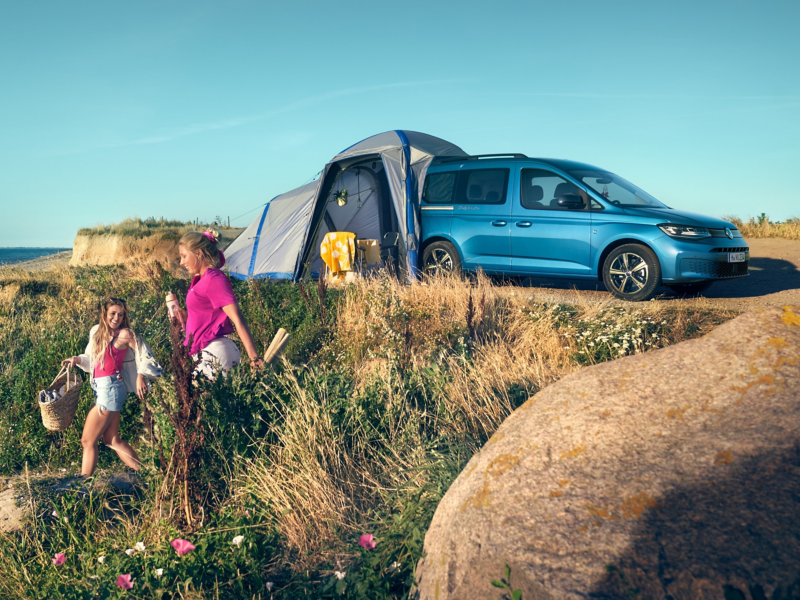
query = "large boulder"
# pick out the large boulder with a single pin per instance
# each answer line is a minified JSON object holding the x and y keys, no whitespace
{"x":671,"y":474}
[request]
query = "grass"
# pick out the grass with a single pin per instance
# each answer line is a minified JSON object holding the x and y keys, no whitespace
{"x":139,"y":228}
{"x":762,"y":227}
{"x":386,"y":393}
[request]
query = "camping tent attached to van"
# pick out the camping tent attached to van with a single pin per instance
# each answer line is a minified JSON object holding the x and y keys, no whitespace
{"x":383,"y":177}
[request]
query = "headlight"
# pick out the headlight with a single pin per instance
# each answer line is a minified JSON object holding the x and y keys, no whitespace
{"x":684,"y":231}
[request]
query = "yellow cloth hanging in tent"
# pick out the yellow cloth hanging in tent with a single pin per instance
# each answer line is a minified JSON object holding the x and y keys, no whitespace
{"x":338,"y":250}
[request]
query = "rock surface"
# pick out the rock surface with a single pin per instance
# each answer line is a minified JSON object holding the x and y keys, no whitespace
{"x":11,"y":512}
{"x":671,"y":474}
{"x":15,"y":499}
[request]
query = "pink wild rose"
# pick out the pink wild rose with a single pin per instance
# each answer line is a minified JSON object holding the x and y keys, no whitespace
{"x":182,"y":546}
{"x":59,"y":559}
{"x":367,"y":541}
{"x":125,"y":582}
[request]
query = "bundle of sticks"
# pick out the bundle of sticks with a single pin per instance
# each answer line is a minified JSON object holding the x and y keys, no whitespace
{"x":277,"y":347}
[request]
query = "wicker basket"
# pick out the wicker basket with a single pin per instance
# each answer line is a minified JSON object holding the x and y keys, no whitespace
{"x":58,"y":415}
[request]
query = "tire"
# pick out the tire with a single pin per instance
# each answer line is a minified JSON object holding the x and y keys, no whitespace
{"x":690,"y":289}
{"x":441,"y":258}
{"x":632,"y":272}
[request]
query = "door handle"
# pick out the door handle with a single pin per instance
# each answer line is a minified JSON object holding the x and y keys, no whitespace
{"x":523,"y":223}
{"x":499,"y":223}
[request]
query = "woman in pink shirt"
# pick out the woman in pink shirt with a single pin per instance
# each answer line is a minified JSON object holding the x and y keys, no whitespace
{"x":212,"y":311}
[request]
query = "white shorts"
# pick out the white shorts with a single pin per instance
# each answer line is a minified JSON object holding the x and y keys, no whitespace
{"x":221,"y":354}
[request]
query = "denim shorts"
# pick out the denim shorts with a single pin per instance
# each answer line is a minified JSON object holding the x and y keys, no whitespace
{"x":110,"y":392}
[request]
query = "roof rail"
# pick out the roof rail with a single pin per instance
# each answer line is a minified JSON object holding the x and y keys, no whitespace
{"x":441,"y":159}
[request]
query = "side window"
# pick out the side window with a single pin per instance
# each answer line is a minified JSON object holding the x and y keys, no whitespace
{"x":540,"y":189}
{"x":439,"y":188}
{"x":483,"y":186}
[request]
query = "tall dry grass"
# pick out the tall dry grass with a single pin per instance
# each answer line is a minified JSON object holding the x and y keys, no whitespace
{"x":764,"y":228}
{"x":136,"y":227}
{"x":444,"y":362}
{"x":139,"y":228}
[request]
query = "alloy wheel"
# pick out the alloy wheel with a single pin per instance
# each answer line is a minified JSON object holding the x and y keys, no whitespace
{"x":629,"y":273}
{"x":439,"y":261}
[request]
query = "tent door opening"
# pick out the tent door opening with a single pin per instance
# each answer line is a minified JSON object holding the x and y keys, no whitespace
{"x":367,"y":210}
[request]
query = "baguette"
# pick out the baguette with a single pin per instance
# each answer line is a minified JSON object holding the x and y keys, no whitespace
{"x":277,"y":346}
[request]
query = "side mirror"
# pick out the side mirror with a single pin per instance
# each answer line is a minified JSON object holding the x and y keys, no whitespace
{"x":570,"y":201}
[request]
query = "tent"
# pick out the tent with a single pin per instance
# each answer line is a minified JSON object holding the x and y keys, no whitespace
{"x":268,"y":248}
{"x":383,"y":177}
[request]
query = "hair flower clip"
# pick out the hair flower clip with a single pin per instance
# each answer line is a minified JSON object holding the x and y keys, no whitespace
{"x":212,"y":235}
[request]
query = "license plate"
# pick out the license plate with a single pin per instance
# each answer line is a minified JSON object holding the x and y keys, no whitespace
{"x":735,"y":257}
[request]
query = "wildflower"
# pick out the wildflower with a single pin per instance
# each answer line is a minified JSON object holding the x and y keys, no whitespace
{"x":59,"y":559}
{"x":340,"y":574}
{"x":159,"y":573}
{"x":54,"y":513}
{"x":130,"y":551}
{"x":101,"y":559}
{"x":247,"y":512}
{"x":367,"y":541}
{"x":269,"y":586}
{"x":125,"y":582}
{"x":182,"y":546}
{"x":139,"y":547}
{"x":238,"y":540}
{"x":66,"y":520}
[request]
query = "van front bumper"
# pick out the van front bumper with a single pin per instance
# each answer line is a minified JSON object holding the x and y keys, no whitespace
{"x":700,"y":260}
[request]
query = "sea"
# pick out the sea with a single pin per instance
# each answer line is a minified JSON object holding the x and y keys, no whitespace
{"x":9,"y":256}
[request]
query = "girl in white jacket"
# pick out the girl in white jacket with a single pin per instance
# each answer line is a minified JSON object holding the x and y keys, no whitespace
{"x":118,"y":362}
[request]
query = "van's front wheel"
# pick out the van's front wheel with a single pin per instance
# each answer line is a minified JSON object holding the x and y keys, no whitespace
{"x":632,"y":272}
{"x":441,"y":258}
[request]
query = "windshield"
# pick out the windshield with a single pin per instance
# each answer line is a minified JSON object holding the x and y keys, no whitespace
{"x":616,"y":190}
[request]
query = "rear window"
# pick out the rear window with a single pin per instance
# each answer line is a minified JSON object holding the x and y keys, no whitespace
{"x":439,"y":188}
{"x":483,"y":186}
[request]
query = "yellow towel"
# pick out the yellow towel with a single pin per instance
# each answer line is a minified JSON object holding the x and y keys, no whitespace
{"x":338,"y":250}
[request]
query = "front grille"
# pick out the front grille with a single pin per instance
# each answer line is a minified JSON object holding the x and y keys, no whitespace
{"x":713,"y":269}
{"x":720,"y":233}
{"x":741,"y":249}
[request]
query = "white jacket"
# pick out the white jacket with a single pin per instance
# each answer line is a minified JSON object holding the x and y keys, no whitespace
{"x":135,"y":363}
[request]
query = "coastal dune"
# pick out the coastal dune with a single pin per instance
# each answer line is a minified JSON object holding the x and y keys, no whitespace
{"x":114,"y":249}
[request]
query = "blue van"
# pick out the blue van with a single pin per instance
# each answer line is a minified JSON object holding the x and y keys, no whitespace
{"x":519,"y":216}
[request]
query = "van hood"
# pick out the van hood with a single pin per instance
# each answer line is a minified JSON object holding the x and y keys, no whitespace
{"x":679,"y":217}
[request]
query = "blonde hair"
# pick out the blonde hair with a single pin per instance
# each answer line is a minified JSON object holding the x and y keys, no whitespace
{"x":103,"y":335}
{"x":194,"y":241}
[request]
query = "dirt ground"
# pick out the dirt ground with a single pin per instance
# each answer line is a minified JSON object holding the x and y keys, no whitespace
{"x":774,"y":280}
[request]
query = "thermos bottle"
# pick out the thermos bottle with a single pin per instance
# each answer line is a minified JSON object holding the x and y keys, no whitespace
{"x":174,"y":309}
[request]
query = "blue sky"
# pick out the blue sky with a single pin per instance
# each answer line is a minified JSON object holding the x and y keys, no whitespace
{"x":197,"y":109}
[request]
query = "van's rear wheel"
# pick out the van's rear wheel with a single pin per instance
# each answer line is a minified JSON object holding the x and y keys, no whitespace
{"x":441,"y":258}
{"x":632,"y":272}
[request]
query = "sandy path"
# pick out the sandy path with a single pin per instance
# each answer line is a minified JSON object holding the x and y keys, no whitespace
{"x":43,"y":263}
{"x":774,"y":280}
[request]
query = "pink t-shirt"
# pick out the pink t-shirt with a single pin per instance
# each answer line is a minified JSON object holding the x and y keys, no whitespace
{"x":204,"y":301}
